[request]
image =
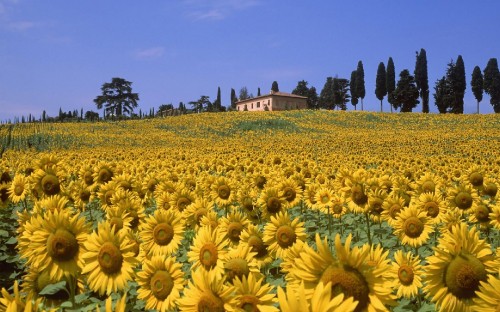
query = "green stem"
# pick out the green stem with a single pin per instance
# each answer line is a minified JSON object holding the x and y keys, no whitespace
{"x":368,"y":229}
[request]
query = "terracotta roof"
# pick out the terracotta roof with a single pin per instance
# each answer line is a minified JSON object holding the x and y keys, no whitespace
{"x":283,"y":94}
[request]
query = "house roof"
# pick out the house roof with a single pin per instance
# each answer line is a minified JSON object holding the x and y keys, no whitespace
{"x":277,"y":94}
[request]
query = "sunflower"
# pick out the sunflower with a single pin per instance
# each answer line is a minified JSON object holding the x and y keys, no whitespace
{"x":270,"y":202}
{"x":240,"y":261}
{"x":51,"y":203}
{"x":310,"y":195}
{"x":118,"y":218}
{"x":454,"y":272}
{"x":392,"y":206}
{"x":149,"y":184}
{"x":253,"y":237}
{"x":48,"y":181}
{"x":181,"y":198}
{"x":125,"y":181}
{"x":103,"y":172}
{"x":356,"y":191}
{"x":129,"y":202}
{"x":433,"y":204}
{"x":291,"y":192}
{"x":86,"y":175}
{"x":54,"y":242}
{"x":288,"y":260}
{"x":161,"y":282}
{"x":357,"y":272}
{"x":120,"y":306}
{"x":451,"y":218}
{"x":495,"y":216}
{"x":475,"y":176}
{"x":412,"y":226}
{"x":232,"y":225}
{"x":194,"y":212}
{"x":323,"y":299}
{"x":105,"y":193}
{"x":376,"y":200}
{"x":81,"y":194}
{"x":254,"y":294}
{"x":324,"y":199}
{"x":463,"y":197}
{"x":488,"y":295}
{"x":163,"y":201}
{"x":247,"y":198}
{"x":481,"y":214}
{"x":162,"y":232}
{"x":207,"y":292}
{"x":109,"y":260}
{"x":428,"y":183}
{"x":406,"y":271}
{"x":19,"y":188}
{"x":207,"y":250}
{"x":223,"y":191}
{"x":490,"y":187}
{"x":12,"y":303}
{"x":281,"y":233}
{"x":210,"y":219}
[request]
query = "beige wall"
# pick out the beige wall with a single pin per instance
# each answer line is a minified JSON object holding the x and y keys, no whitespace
{"x":273,"y":103}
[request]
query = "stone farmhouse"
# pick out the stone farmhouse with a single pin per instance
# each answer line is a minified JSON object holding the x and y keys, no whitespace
{"x":274,"y":101}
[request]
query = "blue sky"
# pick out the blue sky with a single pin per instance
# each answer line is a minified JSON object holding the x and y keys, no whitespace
{"x":58,"y":53}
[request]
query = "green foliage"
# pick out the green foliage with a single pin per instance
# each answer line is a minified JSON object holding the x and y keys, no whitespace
{"x":390,"y":81}
{"x":340,"y":92}
{"x":274,"y":87}
{"x":380,"y":83}
{"x":352,"y":87}
{"x":326,"y":99}
{"x":492,"y":83}
{"x":117,"y":97}
{"x":477,"y":85}
{"x":360,"y":82}
{"x":421,"y":79}
{"x":406,"y":93}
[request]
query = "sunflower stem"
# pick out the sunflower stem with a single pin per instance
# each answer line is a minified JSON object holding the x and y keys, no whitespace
{"x":72,"y":290}
{"x":368,"y":229}
{"x":340,"y":223}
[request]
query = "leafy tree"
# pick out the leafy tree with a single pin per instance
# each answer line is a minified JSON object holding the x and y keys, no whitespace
{"x":360,"y":82}
{"x":340,"y":92}
{"x":312,"y":98}
{"x":380,"y":83}
{"x":303,"y":90}
{"x":443,"y":95}
{"x":406,"y":92}
{"x":117,"y":97}
{"x":164,"y":109}
{"x":390,"y":81}
{"x":326,"y":96}
{"x":91,"y":115}
{"x":492,"y":83}
{"x":202,"y":103}
{"x":459,"y":84}
{"x":274,"y":87}
{"x":234,"y":99}
{"x":244,"y":94}
{"x":477,"y":85}
{"x":352,"y":87}
{"x":422,"y":80}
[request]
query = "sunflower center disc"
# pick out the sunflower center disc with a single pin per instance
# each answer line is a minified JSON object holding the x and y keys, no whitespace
{"x":18,"y":190}
{"x":248,"y":303}
{"x":413,"y":227}
{"x":376,"y":206}
{"x":117,"y":222}
{"x":110,"y":258}
{"x":260,"y":181}
{"x":247,"y":204}
{"x":85,"y":195}
{"x":285,"y":236}
{"x":236,"y":268}
{"x":161,"y":284}
{"x":476,"y":179}
{"x":394,"y":210}
{"x":105,"y":175}
{"x":87,"y":178}
{"x":428,"y":187}
{"x":405,"y":274}
{"x":257,"y":245}
{"x":182,"y":203}
{"x":349,"y":282}
{"x":432,"y":209}
{"x":325,"y":199}
{"x":289,"y":194}
{"x":463,"y":200}
{"x":358,"y":196}
{"x":107,"y":197}
{"x":208,"y":255}
{"x":135,"y":218}
{"x":210,"y":303}
{"x":62,"y":245}
{"x":490,"y":189}
{"x":163,"y":233}
{"x":273,"y":205}
{"x":482,"y":213}
{"x":224,"y":191}
{"x":152,"y":185}
{"x":463,"y":275}
{"x":234,"y":230}
{"x":50,"y":184}
{"x":337,"y":209}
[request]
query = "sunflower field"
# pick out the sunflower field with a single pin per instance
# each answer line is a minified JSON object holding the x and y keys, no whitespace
{"x":252,"y":211}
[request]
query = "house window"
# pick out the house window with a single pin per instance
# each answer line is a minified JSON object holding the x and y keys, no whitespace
{"x":252,"y":106}
{"x":258,"y":104}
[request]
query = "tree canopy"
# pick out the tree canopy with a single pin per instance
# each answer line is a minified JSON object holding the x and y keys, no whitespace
{"x":380,"y":84}
{"x":275,"y":87}
{"x":390,"y":81}
{"x":422,"y":80}
{"x":491,"y":79}
{"x":406,"y":92}
{"x":476,"y":84}
{"x":360,"y":82}
{"x":117,"y":98}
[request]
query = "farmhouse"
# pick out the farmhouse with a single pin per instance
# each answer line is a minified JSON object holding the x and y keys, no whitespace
{"x":274,"y":101}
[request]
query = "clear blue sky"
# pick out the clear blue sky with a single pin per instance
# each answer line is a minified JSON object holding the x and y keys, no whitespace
{"x":58,"y":53}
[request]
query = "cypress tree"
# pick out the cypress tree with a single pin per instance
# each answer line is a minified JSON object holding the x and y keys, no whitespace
{"x":275,"y":87}
{"x":491,"y":81}
{"x":477,"y":85}
{"x":360,"y":82}
{"x":390,"y":82}
{"x":217,"y":103}
{"x":258,"y":91}
{"x":326,"y":95}
{"x":459,"y":85}
{"x":421,"y":79}
{"x":380,"y":83}
{"x":234,"y":99}
{"x":352,"y":87}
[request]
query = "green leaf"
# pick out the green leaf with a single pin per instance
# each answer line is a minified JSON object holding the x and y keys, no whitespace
{"x":11,"y":241}
{"x":4,"y":233}
{"x":66,"y":304}
{"x":81,"y":298}
{"x":52,"y":289}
